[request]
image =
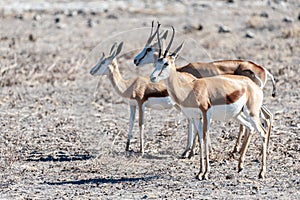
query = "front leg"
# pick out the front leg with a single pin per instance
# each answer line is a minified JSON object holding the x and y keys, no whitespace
{"x":141,"y":126}
{"x":206,"y":121}
{"x":198,"y":125}
{"x":131,"y":123}
{"x":190,"y":142}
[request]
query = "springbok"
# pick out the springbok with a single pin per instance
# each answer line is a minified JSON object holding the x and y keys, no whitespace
{"x":220,"y":97}
{"x":140,"y":91}
{"x":256,"y":73}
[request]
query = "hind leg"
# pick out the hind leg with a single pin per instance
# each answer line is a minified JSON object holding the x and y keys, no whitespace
{"x":246,"y":140}
{"x":238,"y":141}
{"x":256,"y":123}
{"x":268,"y":118}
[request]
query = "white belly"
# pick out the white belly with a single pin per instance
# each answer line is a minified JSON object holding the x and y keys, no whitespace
{"x":227,"y":111}
{"x":156,"y":103}
{"x":160,"y":103}
{"x":218,"y":112}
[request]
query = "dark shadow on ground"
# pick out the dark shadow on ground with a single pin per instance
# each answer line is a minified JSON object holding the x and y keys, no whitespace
{"x":103,"y":180}
{"x":60,"y":158}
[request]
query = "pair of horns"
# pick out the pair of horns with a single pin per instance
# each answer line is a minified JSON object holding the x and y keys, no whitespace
{"x":159,"y":42}
{"x":114,"y":51}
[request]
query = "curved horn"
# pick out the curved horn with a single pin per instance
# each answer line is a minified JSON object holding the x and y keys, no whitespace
{"x":112,"y":48}
{"x":151,"y":36}
{"x":158,"y":40}
{"x":170,"y":43}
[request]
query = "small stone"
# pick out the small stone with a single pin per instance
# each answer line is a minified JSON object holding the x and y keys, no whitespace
{"x":224,"y":29}
{"x":229,"y":176}
{"x":90,"y":23}
{"x":93,"y":13}
{"x":200,"y":27}
{"x":190,"y":27}
{"x":71,"y":13}
{"x":19,"y":16}
{"x":288,"y":19}
{"x":57,"y":19}
{"x":264,"y":14}
{"x":249,"y":35}
{"x":112,"y":16}
{"x":36,"y":17}
{"x":60,"y":26}
{"x":81,"y":12}
{"x":31,"y":38}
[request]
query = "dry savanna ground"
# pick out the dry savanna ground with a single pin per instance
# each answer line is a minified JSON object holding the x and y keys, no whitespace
{"x":63,"y":132}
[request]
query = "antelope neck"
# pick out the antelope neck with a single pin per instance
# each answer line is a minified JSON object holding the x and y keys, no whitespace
{"x":116,"y":79}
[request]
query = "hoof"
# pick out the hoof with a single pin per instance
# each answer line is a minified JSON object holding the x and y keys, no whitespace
{"x":240,"y":169}
{"x":199,"y":176}
{"x":205,"y":177}
{"x":231,"y":155}
{"x":191,"y":154}
{"x":261,"y":175}
{"x":185,"y":155}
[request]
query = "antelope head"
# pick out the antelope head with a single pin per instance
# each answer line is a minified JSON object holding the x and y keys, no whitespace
{"x":164,"y":62}
{"x":150,"y":50}
{"x":101,"y":68}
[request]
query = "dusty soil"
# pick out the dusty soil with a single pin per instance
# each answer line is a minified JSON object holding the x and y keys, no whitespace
{"x":63,"y":132}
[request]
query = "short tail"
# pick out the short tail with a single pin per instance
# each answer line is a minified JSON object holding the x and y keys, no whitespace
{"x":273,"y":82}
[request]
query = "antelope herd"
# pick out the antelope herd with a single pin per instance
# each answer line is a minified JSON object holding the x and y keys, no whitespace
{"x":219,"y":90}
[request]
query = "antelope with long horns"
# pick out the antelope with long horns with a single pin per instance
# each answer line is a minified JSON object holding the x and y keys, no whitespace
{"x":140,"y":91}
{"x":255,"y":72}
{"x":220,"y":97}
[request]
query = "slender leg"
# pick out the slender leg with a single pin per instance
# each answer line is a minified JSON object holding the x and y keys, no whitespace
{"x":246,"y":141}
{"x":190,"y":141}
{"x":141,"y":126}
{"x":198,"y":124}
{"x":238,"y":141}
{"x":264,"y":134}
{"x":264,"y":158}
{"x":131,"y":123}
{"x":269,"y":120}
{"x":256,"y":124}
{"x":193,"y":150}
{"x":206,"y":122}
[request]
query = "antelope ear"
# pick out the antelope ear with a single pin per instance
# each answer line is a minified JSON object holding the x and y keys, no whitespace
{"x":164,"y":35}
{"x":177,"y":51}
{"x":118,"y":49}
{"x":112,"y":48}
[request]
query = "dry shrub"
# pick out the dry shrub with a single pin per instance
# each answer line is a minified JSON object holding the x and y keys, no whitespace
{"x":256,"y":22}
{"x":291,"y":32}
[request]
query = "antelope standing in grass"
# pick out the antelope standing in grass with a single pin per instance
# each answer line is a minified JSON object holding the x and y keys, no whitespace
{"x":256,"y":73}
{"x":140,"y":91}
{"x":220,"y":97}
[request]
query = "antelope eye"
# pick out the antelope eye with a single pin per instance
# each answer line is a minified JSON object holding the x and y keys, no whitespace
{"x":148,"y":49}
{"x":165,"y":65}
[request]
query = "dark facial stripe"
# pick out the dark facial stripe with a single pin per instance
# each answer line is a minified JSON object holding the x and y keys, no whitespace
{"x":139,"y":60}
